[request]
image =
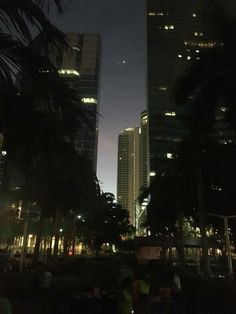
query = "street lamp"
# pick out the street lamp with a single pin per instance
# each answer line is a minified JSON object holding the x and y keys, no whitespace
{"x":227,"y":241}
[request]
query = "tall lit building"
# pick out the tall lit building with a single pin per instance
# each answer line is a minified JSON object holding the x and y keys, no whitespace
{"x":177,"y":33}
{"x":128,"y":170}
{"x":81,"y":68}
{"x":132,"y":171}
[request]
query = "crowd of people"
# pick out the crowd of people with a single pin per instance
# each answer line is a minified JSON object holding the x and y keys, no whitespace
{"x":136,"y":293}
{"x":139,"y":296}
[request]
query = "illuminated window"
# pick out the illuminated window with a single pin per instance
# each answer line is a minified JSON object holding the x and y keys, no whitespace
{"x":169,"y":27}
{"x":194,"y":15}
{"x":89,"y":100}
{"x":197,"y":58}
{"x":43,"y":71}
{"x":179,"y":56}
{"x":155,"y":13}
{"x":75,"y":48}
{"x":152,"y":174}
{"x":201,"y":44}
{"x":144,"y":120}
{"x":195,"y":33}
{"x":169,"y":156}
{"x":197,"y":51}
{"x":223,"y":109}
{"x":200,"y":34}
{"x":170,"y":113}
{"x":188,"y":58}
{"x":68,"y":72}
{"x":4,"y":152}
{"x":162,"y":88}
{"x":216,"y":188}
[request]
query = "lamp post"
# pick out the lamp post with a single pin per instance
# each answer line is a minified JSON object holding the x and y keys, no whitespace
{"x":227,"y":242}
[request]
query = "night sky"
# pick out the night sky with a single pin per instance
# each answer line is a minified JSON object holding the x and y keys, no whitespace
{"x":122,"y":94}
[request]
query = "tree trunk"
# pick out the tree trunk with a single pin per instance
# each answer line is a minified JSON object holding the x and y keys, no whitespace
{"x":56,"y":232}
{"x":180,"y":233}
{"x":67,"y":229}
{"x":38,"y":239}
{"x":202,"y":220}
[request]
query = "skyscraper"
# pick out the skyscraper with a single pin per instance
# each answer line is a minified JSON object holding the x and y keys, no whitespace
{"x":132,"y":171}
{"x":81,"y":69}
{"x":128,"y":170}
{"x":177,"y":33}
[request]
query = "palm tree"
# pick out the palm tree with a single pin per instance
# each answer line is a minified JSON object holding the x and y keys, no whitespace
{"x":171,"y":195}
{"x":20,"y":19}
{"x":208,"y":90}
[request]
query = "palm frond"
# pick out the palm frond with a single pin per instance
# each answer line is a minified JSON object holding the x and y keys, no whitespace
{"x":17,"y":15}
{"x":45,"y":4}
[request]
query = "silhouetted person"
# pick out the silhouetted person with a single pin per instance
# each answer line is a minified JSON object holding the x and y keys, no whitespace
{"x":126,"y":297}
{"x":5,"y":305}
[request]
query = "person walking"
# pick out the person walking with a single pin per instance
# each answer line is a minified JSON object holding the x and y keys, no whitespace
{"x":125,"y":303}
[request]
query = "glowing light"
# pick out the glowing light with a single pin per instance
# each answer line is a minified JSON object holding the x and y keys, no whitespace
{"x":68,"y":72}
{"x":223,"y":109}
{"x":169,"y":156}
{"x":162,"y":88}
{"x":75,"y":48}
{"x":169,"y":27}
{"x":89,"y":100}
{"x":171,"y":113}
{"x":155,"y":13}
{"x":152,"y":174}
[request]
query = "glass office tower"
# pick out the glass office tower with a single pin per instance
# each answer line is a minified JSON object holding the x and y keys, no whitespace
{"x":177,"y":33}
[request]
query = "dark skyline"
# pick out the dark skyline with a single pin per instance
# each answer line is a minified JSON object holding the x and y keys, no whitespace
{"x":121,"y":24}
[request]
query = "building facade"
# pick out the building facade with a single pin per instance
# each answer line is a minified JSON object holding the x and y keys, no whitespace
{"x":132,"y":171}
{"x":84,"y":58}
{"x":80,"y":67}
{"x":178,"y":32}
{"x":128,"y":170}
